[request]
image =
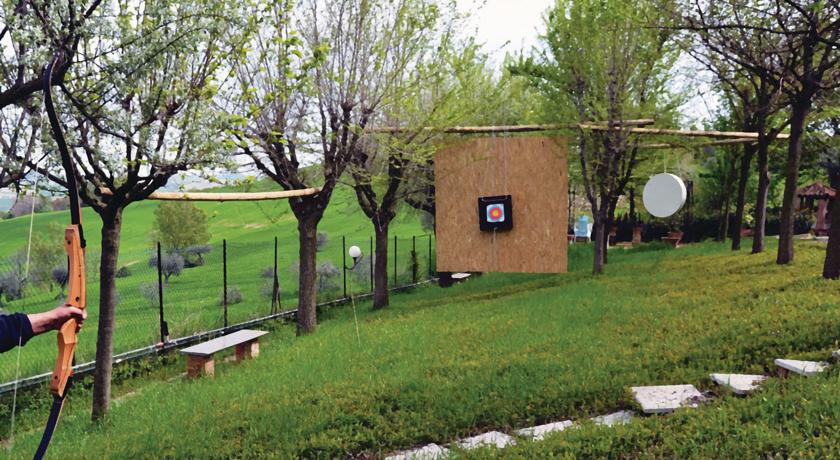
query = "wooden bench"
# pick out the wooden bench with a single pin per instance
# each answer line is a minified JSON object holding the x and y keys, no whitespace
{"x":200,"y":357}
{"x":673,"y":238}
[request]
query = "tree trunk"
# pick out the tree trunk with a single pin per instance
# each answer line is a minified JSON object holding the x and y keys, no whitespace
{"x":799,"y":112}
{"x":380,"y":268}
{"x":743,"y":178}
{"x":831,"y":267}
{"x":599,"y":257}
{"x":307,"y":320}
{"x":761,"y":198}
{"x":111,"y":225}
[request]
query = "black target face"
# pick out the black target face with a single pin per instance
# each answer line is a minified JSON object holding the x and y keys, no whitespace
{"x":495,"y":213}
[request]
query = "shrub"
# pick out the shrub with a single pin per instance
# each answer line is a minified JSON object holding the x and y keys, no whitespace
{"x":170,"y":264}
{"x":328,"y":277}
{"x":195,"y":254}
{"x":321,"y":241}
{"x":11,"y":287}
{"x":268,"y":273}
{"x":60,"y":276}
{"x":123,"y":272}
{"x":234,"y":296}
{"x":150,"y":292}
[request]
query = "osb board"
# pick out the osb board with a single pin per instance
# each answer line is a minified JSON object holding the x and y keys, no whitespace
{"x":534,"y":171}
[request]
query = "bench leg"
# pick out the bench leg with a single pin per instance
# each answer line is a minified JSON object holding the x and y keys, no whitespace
{"x":248,"y":350}
{"x":200,"y":365}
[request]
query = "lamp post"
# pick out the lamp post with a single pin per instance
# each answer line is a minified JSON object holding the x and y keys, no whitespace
{"x":356,"y":254}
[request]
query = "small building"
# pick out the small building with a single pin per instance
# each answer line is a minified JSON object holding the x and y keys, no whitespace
{"x":818,"y":197}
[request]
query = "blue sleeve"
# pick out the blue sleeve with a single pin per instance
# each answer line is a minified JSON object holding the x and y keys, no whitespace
{"x":15,"y":329}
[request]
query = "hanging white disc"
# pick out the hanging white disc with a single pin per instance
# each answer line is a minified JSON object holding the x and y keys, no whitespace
{"x":664,"y":195}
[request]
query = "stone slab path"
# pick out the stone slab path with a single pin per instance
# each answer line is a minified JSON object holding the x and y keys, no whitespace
{"x":662,"y":399}
{"x":537,"y":433}
{"x":491,"y":438}
{"x":742,"y":384}
{"x":806,"y":368}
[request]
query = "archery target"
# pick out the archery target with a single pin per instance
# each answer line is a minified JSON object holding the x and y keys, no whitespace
{"x":664,"y":195}
{"x":495,"y":213}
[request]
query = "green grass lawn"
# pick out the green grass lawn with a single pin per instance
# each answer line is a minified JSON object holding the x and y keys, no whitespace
{"x":193,"y":300}
{"x":503,"y":352}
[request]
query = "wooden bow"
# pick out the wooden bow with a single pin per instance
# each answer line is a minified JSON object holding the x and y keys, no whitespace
{"x":74,"y":245}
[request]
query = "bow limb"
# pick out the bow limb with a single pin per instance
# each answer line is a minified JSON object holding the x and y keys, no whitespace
{"x":74,"y":245}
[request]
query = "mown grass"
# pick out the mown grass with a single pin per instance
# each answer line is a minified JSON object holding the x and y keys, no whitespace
{"x":502,"y":352}
{"x":193,"y":299}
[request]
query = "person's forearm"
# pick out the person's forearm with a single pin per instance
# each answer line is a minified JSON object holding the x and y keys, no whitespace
{"x":42,"y":322}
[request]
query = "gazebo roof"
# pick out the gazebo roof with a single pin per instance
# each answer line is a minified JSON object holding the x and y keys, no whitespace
{"x":816,"y":190}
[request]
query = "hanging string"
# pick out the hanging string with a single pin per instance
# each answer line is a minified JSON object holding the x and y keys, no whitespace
{"x":31,"y":224}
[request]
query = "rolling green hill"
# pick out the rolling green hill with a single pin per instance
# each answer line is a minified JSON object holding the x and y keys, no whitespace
{"x":193,"y":299}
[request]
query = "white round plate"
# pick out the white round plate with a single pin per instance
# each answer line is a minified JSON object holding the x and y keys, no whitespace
{"x":664,"y":195}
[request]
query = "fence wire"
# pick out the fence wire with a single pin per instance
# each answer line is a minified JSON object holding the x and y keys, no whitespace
{"x":193,"y":289}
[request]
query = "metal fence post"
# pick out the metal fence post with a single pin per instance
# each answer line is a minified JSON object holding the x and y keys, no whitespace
{"x":224,"y":276}
{"x":413,"y":259}
{"x":164,"y":328}
{"x":344,"y":264}
{"x":431,"y":273}
{"x":370,"y":257}
{"x":395,"y":260}
{"x":275,"y":289}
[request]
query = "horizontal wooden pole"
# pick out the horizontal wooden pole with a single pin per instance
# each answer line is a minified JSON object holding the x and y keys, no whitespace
{"x":685,"y":132}
{"x":232,"y":196}
{"x":631,"y":126}
{"x":504,"y":128}
{"x":705,"y":144}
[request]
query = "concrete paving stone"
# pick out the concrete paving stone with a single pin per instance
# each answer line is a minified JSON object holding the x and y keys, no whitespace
{"x":427,"y":452}
{"x":616,"y":418}
{"x":741,"y":384}
{"x":806,"y":368}
{"x":537,"y":433}
{"x":492,"y":438}
{"x":662,"y":399}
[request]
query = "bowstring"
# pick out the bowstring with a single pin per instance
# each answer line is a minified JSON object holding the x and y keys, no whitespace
{"x":20,"y":331}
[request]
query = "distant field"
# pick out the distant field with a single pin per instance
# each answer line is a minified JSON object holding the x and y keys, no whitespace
{"x":507,"y":351}
{"x":193,"y":299}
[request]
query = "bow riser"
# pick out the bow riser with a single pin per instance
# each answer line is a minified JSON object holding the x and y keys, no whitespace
{"x":76,"y":297}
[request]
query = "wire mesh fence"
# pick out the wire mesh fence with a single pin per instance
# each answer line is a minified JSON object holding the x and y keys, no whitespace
{"x":204,"y":288}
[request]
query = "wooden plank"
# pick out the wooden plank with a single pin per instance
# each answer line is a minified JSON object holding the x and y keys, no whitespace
{"x":226,"y":341}
{"x":233,"y":196}
{"x":534,"y":171}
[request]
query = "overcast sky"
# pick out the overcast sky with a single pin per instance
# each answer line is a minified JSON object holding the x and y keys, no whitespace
{"x":508,"y":26}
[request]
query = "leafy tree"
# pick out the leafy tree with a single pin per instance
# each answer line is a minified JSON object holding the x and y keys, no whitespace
{"x":139,"y":110}
{"x":604,"y":61}
{"x":37,"y":31}
{"x":792,"y":42}
{"x":179,"y":225}
{"x":412,"y":63}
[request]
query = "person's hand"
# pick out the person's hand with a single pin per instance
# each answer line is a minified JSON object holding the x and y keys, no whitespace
{"x":53,"y":319}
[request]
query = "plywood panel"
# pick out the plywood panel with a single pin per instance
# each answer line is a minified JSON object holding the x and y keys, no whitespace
{"x":534,"y":170}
